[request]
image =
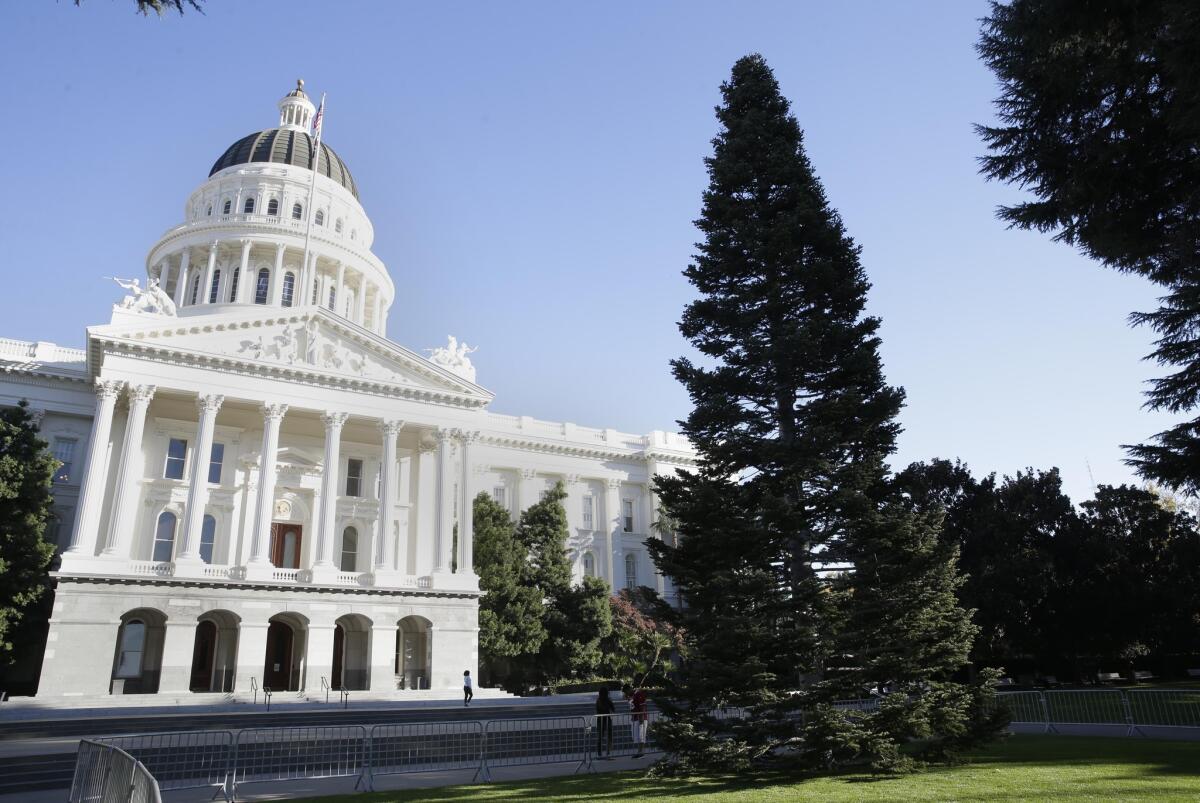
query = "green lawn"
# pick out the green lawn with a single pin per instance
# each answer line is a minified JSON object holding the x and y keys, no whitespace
{"x":1021,"y":768}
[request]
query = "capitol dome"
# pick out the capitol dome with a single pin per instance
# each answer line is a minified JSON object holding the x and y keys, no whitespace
{"x":285,"y":146}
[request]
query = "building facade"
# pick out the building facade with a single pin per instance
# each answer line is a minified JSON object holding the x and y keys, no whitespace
{"x":259,"y":489}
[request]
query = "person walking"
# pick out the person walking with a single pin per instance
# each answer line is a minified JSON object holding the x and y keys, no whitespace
{"x":637,"y":708}
{"x":604,"y":726}
{"x":467,"y":692}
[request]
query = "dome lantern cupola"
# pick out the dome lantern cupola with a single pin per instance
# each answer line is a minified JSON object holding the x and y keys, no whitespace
{"x":296,"y":110}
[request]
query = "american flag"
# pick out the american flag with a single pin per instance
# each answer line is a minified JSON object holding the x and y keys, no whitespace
{"x":319,"y":119}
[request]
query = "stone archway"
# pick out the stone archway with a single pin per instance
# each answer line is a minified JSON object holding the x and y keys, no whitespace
{"x":214,"y":653}
{"x":283,"y":666}
{"x":137,"y":662}
{"x":351,"y":652}
{"x":414,"y":652}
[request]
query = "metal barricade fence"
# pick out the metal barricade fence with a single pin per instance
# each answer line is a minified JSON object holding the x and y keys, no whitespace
{"x":613,"y":735}
{"x":181,"y":759}
{"x":424,"y":747}
{"x":864,"y":704}
{"x":1165,"y":708}
{"x":1025,"y":707}
{"x":1086,"y":707}
{"x":545,"y":740}
{"x":284,"y":754}
{"x":107,"y":774}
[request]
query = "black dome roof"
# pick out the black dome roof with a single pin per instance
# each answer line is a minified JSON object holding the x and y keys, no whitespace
{"x":286,"y":146}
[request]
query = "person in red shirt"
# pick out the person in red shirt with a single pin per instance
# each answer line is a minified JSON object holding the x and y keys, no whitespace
{"x":638,"y":717}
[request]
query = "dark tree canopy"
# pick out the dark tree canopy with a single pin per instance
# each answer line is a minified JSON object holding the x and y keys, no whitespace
{"x":1099,"y":118}
{"x":159,"y":7}
{"x":26,"y":469}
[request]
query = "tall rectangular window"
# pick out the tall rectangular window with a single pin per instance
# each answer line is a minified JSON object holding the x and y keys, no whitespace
{"x":627,"y":515}
{"x":354,"y":473}
{"x":64,"y":453}
{"x":176,"y":459}
{"x":588,"y":517}
{"x":215,"y":460}
{"x":498,"y":496}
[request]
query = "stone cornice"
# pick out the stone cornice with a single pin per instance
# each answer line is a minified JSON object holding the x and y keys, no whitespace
{"x":246,"y":585}
{"x":527,"y":444}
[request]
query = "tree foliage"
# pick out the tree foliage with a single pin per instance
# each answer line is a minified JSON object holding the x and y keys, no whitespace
{"x":535,"y":625}
{"x":644,"y":638}
{"x":26,"y":471}
{"x":1099,"y":118}
{"x":160,"y":7}
{"x":792,"y":420}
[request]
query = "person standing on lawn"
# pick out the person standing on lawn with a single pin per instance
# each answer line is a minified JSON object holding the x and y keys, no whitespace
{"x":637,"y":708}
{"x":604,"y":726}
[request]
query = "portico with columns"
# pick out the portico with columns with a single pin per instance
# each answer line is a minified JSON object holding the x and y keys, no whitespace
{"x":274,"y":494}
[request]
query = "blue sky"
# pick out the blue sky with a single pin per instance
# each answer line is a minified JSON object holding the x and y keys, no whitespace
{"x":533,"y":170}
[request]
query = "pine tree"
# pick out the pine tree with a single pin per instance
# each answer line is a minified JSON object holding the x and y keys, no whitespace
{"x":793,"y":421}
{"x":510,"y":612}
{"x":26,"y":470}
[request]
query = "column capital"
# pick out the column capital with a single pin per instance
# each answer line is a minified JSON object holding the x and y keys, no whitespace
{"x":389,"y":427}
{"x":215,"y":244}
{"x":245,"y":241}
{"x":141,"y":393}
{"x":572,"y":479}
{"x":468,"y":436}
{"x":444,"y":434}
{"x":108,"y":388}
{"x":528,"y":473}
{"x":280,"y":248}
{"x":209,"y":402}
{"x":334,"y":420}
{"x":273,"y":412}
{"x":613,"y":484}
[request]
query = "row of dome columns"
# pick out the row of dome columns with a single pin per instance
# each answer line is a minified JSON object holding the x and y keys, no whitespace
{"x":180,"y":267}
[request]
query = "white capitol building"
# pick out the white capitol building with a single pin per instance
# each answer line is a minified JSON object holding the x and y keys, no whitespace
{"x":258,"y":488}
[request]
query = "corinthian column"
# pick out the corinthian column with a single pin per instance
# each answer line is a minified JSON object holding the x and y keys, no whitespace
{"x":265,"y":503}
{"x":329,"y":489}
{"x":197,"y":499}
{"x":182,"y":277}
{"x":384,"y":545}
{"x":444,"y":534}
{"x":95,"y":474}
{"x":466,"y":525}
{"x":125,"y":497}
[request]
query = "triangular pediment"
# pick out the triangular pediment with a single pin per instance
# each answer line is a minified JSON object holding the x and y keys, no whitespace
{"x":306,"y":343}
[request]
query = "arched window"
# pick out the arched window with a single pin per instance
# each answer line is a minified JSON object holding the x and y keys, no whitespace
{"x":332,"y":297}
{"x":349,"y":561}
{"x":297,"y":212}
{"x":338,"y":226}
{"x":248,"y":207}
{"x":263,"y":287}
{"x":164,"y":538}
{"x":316,"y":289}
{"x":273,"y":207}
{"x":208,"y":537}
{"x":237,"y":274}
{"x":289,"y":288}
{"x":195,"y":289}
{"x":631,"y":571}
{"x":589,"y":564}
{"x":133,"y":647}
{"x":228,"y":206}
{"x":216,"y":285}
{"x":320,"y":218}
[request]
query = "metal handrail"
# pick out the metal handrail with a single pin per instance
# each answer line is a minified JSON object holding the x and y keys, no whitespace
{"x":254,"y":688}
{"x":325,"y":686}
{"x":267,"y":696}
{"x":345,"y":693}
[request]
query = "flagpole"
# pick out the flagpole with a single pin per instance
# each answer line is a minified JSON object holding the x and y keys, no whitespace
{"x":306,"y":271}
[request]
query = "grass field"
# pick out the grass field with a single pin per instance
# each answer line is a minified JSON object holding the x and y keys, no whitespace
{"x":1020,"y":768}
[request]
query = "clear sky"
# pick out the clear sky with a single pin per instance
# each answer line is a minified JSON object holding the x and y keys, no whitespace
{"x":533,"y":170}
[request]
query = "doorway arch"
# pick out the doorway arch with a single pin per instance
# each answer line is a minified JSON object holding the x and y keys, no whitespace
{"x":283,"y":667}
{"x":138,"y":659}
{"x":214,"y":652}
{"x":351,"y":652}
{"x":414,"y":652}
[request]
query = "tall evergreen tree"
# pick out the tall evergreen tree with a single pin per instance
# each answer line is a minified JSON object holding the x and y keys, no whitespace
{"x":792,"y":420}
{"x":511,"y":630}
{"x":26,"y":470}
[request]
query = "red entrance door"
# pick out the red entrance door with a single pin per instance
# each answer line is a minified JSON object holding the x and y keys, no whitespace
{"x":286,"y":540}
